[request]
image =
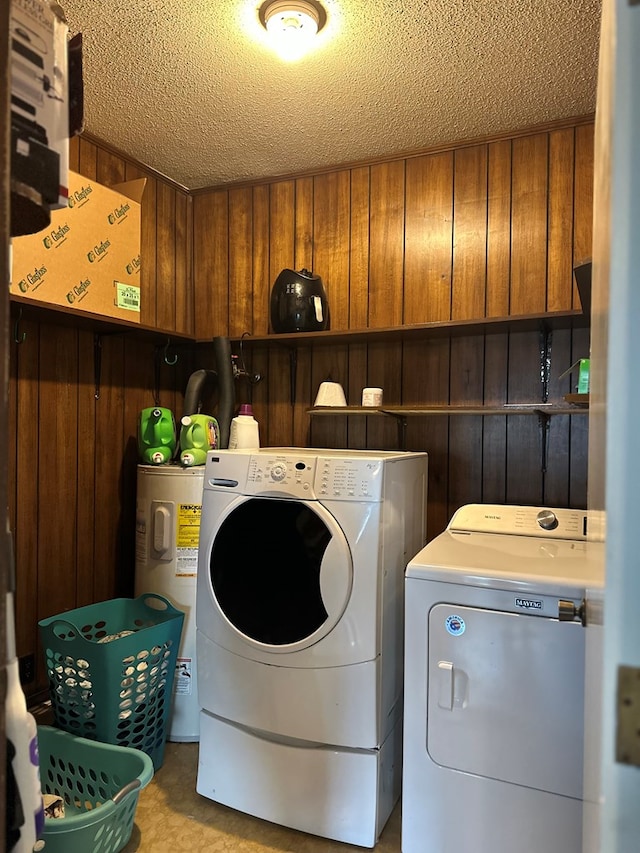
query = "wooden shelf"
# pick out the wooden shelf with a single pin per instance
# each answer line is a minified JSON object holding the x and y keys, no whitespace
{"x":44,"y":312}
{"x":490,"y":325}
{"x":419,"y":410}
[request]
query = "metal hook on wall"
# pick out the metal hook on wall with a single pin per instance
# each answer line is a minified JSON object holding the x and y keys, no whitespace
{"x":97,"y":365}
{"x":167,"y":360}
{"x":17,"y":337}
{"x":240,"y":370}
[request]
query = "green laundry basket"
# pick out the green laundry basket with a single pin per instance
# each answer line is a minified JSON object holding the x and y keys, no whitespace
{"x":99,"y":783}
{"x":111,"y":667}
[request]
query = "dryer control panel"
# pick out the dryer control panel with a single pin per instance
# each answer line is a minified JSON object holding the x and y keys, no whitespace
{"x":520,"y":520}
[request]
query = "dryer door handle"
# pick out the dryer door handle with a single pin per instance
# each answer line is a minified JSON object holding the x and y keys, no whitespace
{"x":445,"y":685}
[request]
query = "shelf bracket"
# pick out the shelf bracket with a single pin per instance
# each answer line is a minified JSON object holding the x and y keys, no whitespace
{"x":293,"y":373}
{"x":401,"y":422}
{"x":544,"y":422}
{"x":546,"y":337}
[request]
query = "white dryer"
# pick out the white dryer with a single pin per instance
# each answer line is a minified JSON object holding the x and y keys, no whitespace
{"x":299,"y":631}
{"x":494,"y":682}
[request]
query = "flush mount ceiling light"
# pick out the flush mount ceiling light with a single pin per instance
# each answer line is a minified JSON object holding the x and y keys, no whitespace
{"x":292,"y":24}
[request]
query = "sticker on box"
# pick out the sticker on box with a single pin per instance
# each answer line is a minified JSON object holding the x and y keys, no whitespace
{"x":127,"y":296}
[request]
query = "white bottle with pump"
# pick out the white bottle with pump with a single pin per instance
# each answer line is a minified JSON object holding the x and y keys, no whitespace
{"x":244,"y":432}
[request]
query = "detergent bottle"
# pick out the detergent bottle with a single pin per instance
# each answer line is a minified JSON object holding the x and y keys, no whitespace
{"x":157,"y":437}
{"x":198,"y":434}
{"x":244,"y":429}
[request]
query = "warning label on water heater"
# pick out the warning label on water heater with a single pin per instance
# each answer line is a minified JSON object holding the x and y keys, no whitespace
{"x":183,"y":678}
{"x":187,"y":537}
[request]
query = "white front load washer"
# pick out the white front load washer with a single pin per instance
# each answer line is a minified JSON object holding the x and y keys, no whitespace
{"x":494,"y":682}
{"x":299,"y":632}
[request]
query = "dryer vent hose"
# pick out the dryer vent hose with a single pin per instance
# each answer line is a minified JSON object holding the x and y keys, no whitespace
{"x":226,"y":388}
{"x":200,"y":385}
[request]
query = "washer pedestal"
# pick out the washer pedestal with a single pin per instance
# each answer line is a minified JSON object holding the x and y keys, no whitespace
{"x":338,"y":793}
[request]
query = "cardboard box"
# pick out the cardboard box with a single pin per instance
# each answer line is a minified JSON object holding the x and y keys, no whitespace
{"x":88,"y":258}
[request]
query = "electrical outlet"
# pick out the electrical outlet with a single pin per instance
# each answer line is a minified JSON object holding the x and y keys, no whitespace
{"x":27,"y":666}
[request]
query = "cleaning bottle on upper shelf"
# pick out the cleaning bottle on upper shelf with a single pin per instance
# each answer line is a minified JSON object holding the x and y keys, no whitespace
{"x":244,"y":432}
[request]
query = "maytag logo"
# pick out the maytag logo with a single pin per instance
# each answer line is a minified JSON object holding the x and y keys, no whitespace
{"x":529,"y":603}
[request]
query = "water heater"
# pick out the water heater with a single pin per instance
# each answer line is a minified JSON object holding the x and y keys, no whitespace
{"x":168,"y":508}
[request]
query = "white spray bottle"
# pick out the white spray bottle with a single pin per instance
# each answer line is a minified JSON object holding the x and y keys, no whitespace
{"x":22,"y":733}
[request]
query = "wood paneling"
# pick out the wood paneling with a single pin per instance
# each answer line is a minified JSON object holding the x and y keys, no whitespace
{"x":583,"y":201}
{"x":240,"y":261}
{"x":74,"y":467}
{"x":331,"y":235}
{"x":211,"y":264}
{"x":359,"y":250}
{"x":498,"y":229}
{"x":261,"y":285}
{"x":485,"y":230}
{"x":23,"y":503}
{"x":304,"y":216}
{"x":386,"y":247}
{"x":469,"y":233}
{"x":429,"y":228}
{"x":87,"y":451}
{"x":282,"y":230}
{"x":560,"y":244}
{"x":528,"y":224}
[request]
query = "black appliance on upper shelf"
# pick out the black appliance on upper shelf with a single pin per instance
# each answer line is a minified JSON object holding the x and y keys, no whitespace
{"x":299,"y":303}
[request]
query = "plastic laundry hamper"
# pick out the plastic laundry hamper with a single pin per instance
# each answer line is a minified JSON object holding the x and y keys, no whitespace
{"x":111,"y":668}
{"x":99,"y":783}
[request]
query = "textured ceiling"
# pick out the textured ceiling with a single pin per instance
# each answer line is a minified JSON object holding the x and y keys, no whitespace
{"x":192,"y":88}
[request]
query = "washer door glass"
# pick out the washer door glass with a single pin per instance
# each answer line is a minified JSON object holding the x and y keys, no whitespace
{"x":281,"y":571}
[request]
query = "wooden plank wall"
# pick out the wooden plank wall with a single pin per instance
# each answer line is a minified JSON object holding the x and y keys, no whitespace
{"x":486,"y":230}
{"x":72,"y":457}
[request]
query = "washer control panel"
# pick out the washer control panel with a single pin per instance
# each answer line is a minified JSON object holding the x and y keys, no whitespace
{"x":293,"y":477}
{"x":296,"y":474}
{"x":520,"y":520}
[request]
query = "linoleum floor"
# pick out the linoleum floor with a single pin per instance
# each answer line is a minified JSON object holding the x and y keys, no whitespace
{"x":171,"y":816}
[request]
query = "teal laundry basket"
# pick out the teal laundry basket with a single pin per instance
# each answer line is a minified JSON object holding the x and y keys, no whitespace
{"x":100,"y":784}
{"x":111,"y":668}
